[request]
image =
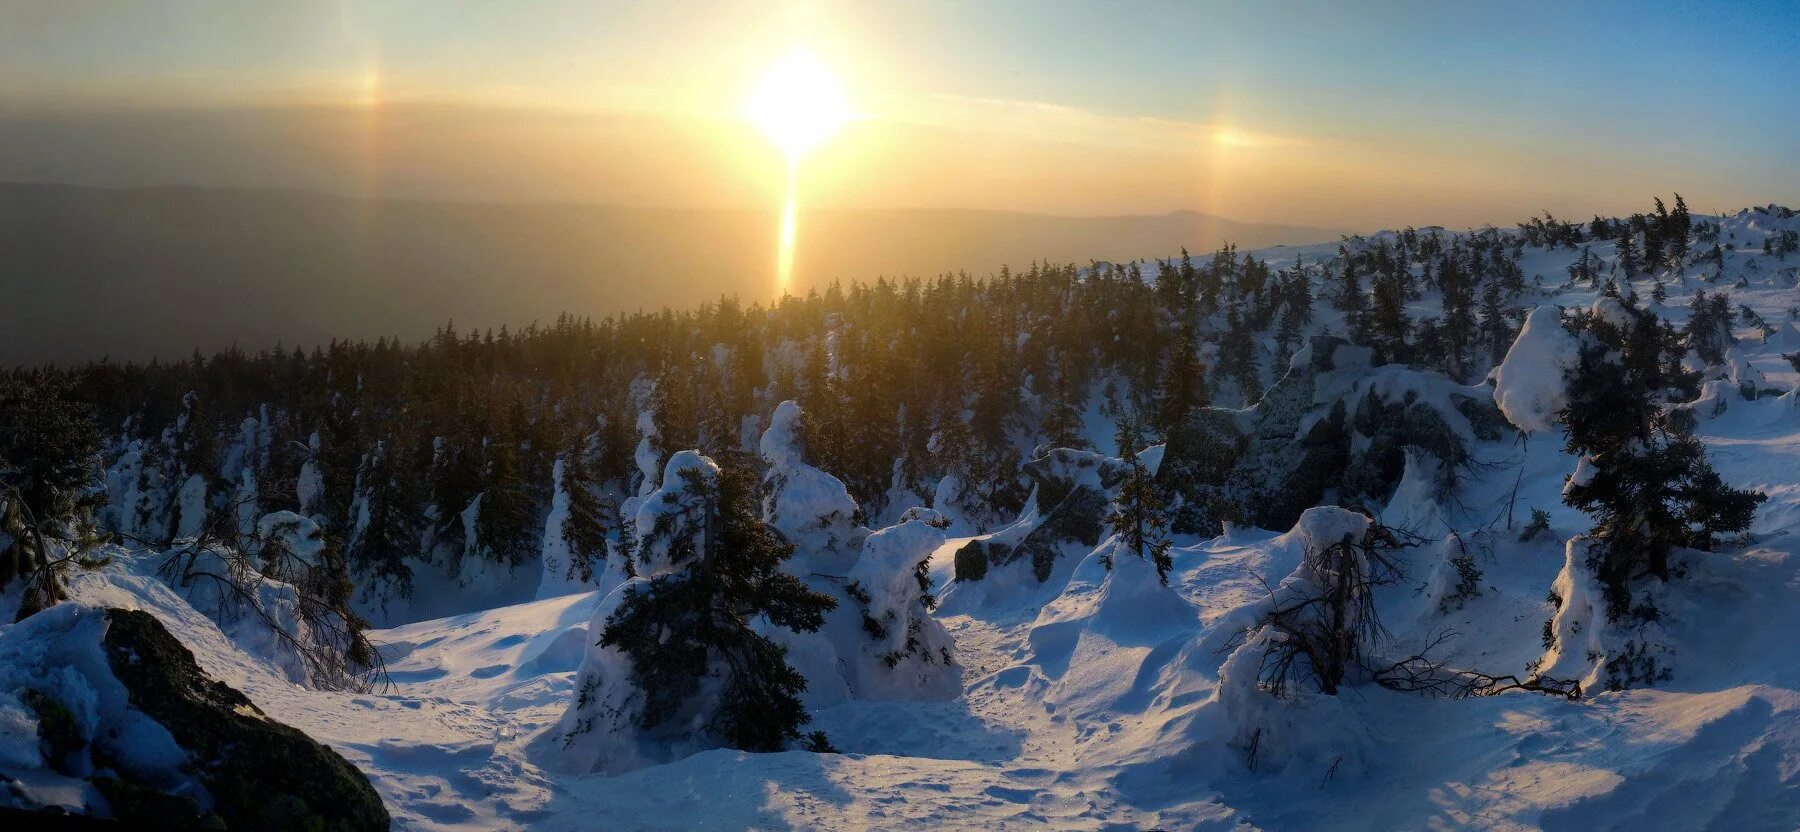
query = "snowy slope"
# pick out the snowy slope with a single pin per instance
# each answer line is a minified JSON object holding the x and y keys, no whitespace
{"x":1103,"y":700}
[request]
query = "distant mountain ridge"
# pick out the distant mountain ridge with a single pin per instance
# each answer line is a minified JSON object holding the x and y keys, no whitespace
{"x":159,"y":272}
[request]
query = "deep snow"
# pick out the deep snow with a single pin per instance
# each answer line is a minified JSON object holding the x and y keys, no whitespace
{"x":1101,"y":699}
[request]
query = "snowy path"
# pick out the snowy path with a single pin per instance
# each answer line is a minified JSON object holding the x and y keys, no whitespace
{"x":449,"y":743}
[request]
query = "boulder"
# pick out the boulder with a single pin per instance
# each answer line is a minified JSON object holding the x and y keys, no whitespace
{"x":261,"y":774}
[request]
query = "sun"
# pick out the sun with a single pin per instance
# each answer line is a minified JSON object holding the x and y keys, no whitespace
{"x":798,"y":103}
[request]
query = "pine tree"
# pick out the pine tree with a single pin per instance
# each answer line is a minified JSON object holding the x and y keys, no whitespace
{"x":1062,"y":422}
{"x":387,"y":500}
{"x":1184,"y":382}
{"x":48,"y":449}
{"x":1653,"y":236}
{"x":1458,"y":328}
{"x":1137,"y":516}
{"x":1237,"y":355}
{"x":1388,"y":323}
{"x":1296,"y":314}
{"x":693,"y":623}
{"x":1628,"y":255}
{"x":584,"y":527}
{"x":503,"y":516}
{"x":1709,"y":326}
{"x":1680,"y":229}
{"x":1350,"y":296}
{"x":1650,"y":488}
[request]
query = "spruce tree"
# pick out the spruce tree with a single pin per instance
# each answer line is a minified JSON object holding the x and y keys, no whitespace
{"x":1648,"y":485}
{"x":1458,"y":327}
{"x":693,"y":623}
{"x":48,"y":459}
{"x":1388,"y":324}
{"x":1628,"y":254}
{"x":1184,"y":382}
{"x":1680,"y":228}
{"x":584,"y":527}
{"x":1137,"y":516}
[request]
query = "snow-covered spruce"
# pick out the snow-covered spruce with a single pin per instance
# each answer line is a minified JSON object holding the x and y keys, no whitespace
{"x":881,"y":641}
{"x":810,"y":507}
{"x":678,"y":666}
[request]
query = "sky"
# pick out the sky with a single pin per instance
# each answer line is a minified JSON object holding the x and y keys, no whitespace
{"x":1338,"y":115}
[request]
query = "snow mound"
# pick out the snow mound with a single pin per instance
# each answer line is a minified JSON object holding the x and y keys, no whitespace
{"x":1101,"y":645}
{"x":1785,"y":339}
{"x":1529,"y":385}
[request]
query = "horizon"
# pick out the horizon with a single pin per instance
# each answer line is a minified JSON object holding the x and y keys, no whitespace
{"x":1302,"y":113}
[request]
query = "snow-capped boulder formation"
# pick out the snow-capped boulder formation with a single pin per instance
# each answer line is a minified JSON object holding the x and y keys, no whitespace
{"x":103,"y":707}
{"x":1333,"y":422}
{"x":1528,"y":386}
{"x":810,"y":507}
{"x":1071,"y":490}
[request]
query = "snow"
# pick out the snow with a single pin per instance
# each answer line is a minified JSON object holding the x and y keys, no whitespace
{"x":810,"y":507}
{"x":58,"y":653}
{"x":885,"y":570}
{"x":1102,"y":699}
{"x":1528,"y":385}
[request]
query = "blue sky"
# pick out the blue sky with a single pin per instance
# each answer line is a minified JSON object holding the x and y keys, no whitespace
{"x":1621,"y":100}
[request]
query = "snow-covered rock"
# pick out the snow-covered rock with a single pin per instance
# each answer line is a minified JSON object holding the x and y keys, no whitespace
{"x":1529,"y":386}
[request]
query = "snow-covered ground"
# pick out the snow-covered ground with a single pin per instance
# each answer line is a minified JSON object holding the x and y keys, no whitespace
{"x":1095,"y":700}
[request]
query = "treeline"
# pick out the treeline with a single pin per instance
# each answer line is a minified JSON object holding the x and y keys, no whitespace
{"x":918,"y":391}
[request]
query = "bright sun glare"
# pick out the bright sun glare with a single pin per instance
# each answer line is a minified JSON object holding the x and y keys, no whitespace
{"x":798,"y":103}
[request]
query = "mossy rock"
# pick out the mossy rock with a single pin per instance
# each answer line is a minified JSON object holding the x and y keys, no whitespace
{"x":58,"y":734}
{"x":140,"y":806}
{"x":262,"y":775}
{"x":971,"y":561}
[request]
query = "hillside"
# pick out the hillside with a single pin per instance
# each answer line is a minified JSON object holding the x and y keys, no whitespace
{"x":1386,"y":455}
{"x":171,"y":270}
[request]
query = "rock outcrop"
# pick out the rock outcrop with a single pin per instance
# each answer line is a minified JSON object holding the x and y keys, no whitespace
{"x":133,"y":717}
{"x":1333,"y":429}
{"x":1073,"y":491}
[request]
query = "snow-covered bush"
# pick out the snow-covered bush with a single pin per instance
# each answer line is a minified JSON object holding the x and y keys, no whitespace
{"x":1584,"y":644}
